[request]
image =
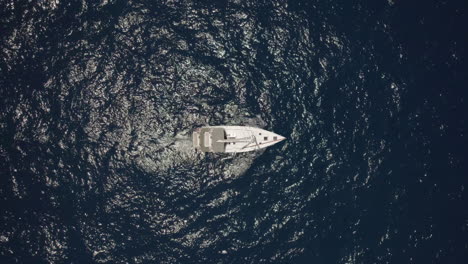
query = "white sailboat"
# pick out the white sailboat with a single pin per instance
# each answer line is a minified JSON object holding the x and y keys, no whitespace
{"x":233,"y":139}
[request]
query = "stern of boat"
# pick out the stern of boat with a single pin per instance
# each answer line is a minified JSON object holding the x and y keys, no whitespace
{"x":196,"y":139}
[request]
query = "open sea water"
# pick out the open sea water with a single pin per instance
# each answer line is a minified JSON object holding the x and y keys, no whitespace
{"x":98,"y":100}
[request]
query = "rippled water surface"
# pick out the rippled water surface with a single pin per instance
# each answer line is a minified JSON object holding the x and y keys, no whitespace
{"x":98,"y":101}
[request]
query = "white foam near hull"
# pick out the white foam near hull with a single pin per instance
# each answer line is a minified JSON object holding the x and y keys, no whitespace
{"x":233,"y":139}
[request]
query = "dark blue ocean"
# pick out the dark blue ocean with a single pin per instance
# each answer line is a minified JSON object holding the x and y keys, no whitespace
{"x":98,"y":100}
